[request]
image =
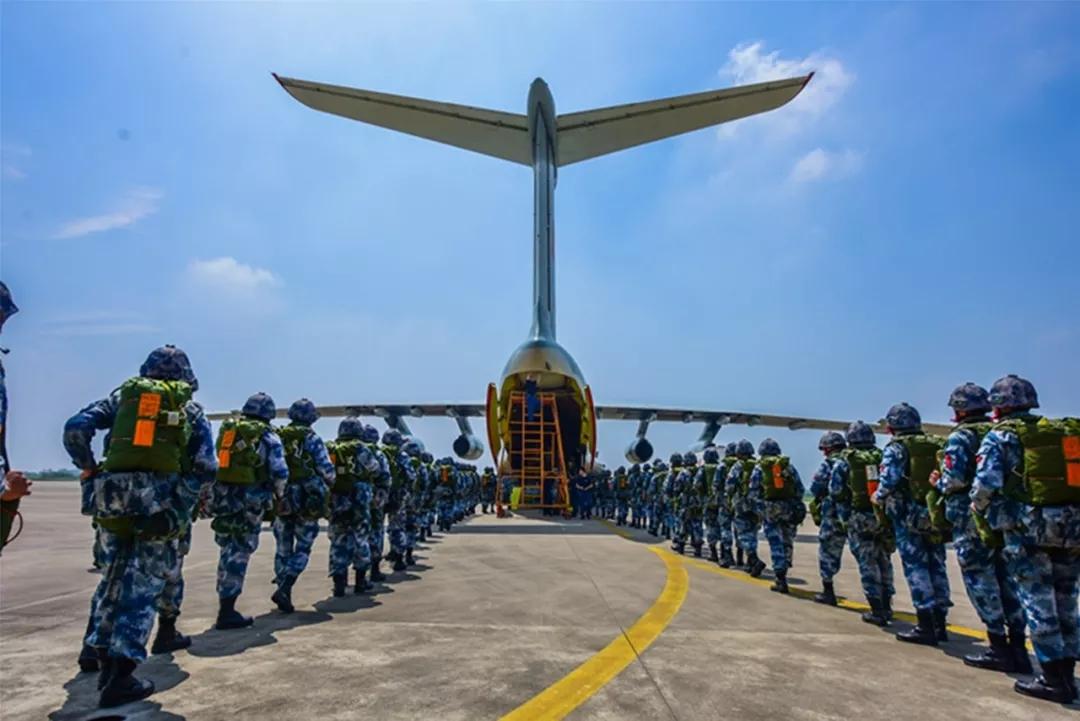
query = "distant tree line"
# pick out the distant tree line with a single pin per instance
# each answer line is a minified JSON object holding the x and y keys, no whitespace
{"x":53,"y":474}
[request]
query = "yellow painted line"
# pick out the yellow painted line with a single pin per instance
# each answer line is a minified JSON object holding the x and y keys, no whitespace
{"x":565,"y":695}
{"x":743,"y":577}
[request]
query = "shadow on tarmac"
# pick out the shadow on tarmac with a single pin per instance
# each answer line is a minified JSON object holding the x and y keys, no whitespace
{"x":82,"y":700}
{"x":213,"y":643}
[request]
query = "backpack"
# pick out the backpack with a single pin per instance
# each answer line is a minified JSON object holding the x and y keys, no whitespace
{"x":294,"y":440}
{"x":151,"y":430}
{"x":343,"y":455}
{"x":238,"y":441}
{"x":1050,"y":472}
{"x":777,"y":484}
{"x":922,"y":460}
{"x":864,"y":466}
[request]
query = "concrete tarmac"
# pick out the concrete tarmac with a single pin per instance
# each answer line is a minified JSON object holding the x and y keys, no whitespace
{"x":495,"y":612}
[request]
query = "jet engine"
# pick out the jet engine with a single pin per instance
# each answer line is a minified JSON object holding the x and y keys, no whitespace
{"x":468,"y":446}
{"x":640,"y":451}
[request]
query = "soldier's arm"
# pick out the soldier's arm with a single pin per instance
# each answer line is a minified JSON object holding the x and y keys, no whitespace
{"x":838,"y":478}
{"x":819,"y":484}
{"x":755,"y":489}
{"x":316,"y":447}
{"x":956,"y":459}
{"x":274,"y":456}
{"x":800,"y":489}
{"x":80,"y":429}
{"x":892,"y":472}
{"x":200,"y":450}
{"x":732,"y":478}
{"x":992,"y":466}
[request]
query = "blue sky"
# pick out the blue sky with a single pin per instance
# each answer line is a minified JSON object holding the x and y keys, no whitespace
{"x":907,"y":224}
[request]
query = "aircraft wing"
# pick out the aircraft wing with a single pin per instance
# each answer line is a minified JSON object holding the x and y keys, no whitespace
{"x":491,"y":132}
{"x":652,"y":414}
{"x":598,"y":132}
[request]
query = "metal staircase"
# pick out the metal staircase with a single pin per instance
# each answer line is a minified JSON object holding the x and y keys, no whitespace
{"x":536,"y":452}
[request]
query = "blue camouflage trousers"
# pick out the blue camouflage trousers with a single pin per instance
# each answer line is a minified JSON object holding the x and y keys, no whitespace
{"x":831,"y":538}
{"x":123,"y":608}
{"x":924,"y":568}
{"x":172,"y":595}
{"x":780,"y":529}
{"x":295,"y":538}
{"x":722,"y":531}
{"x":746,"y":524}
{"x":236,"y":549}
{"x":871,"y":556}
{"x":377,"y":537}
{"x":1046,"y":581}
{"x":688,"y":527}
{"x":622,"y":510}
{"x":989,"y":586}
{"x":395,"y":529}
{"x":348,"y":546}
{"x":411,"y":528}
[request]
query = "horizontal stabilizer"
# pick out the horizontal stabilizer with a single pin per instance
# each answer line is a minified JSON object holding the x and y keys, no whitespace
{"x":592,"y":133}
{"x":491,"y":132}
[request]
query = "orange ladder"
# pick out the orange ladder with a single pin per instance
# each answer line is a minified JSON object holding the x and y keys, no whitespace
{"x":538,"y":453}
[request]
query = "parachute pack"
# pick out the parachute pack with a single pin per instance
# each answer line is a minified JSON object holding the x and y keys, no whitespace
{"x":151,"y":429}
{"x":294,"y":440}
{"x":238,"y":451}
{"x":864,"y":466}
{"x":922,"y":453}
{"x":776,"y":483}
{"x":1050,"y":472}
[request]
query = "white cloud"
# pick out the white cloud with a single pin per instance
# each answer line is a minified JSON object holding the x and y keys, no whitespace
{"x":133,"y":207}
{"x":748,"y":63}
{"x":228,"y":275}
{"x":14,"y":172}
{"x":13,"y":154}
{"x":820,"y":164}
{"x":98,"y":323}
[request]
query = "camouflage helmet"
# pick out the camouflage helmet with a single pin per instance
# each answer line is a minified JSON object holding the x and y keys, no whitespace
{"x":370,"y":434}
{"x":1012,"y":391}
{"x":426,"y":457}
{"x":768,"y":447}
{"x":7,"y":305}
{"x":731,"y":449}
{"x":303,"y":411}
{"x":831,"y":441}
{"x":860,"y":434}
{"x":488,"y":469}
{"x":392,"y":437}
{"x":412,"y":448}
{"x":676,"y":460}
{"x":635,"y":468}
{"x":712,"y":457}
{"x":351,"y":427}
{"x":969,"y":398}
{"x":689,"y":459}
{"x":621,"y":471}
{"x":659,"y":466}
{"x":261,"y":406}
{"x":744,"y":449}
{"x":903,"y":418}
{"x":169,"y":363}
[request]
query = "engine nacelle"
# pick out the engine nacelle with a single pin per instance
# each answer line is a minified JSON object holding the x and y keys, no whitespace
{"x":468,"y":446}
{"x":640,"y":451}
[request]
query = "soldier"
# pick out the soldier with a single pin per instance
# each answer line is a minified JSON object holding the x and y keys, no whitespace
{"x":1027,"y":486}
{"x":635,"y":477}
{"x":693,"y":494}
{"x":304,"y":501}
{"x":380,"y":495}
{"x":487,"y":490}
{"x":413,"y":499}
{"x":143,"y":496}
{"x":906,"y":464}
{"x":853,"y":482}
{"x":775,"y":488}
{"x":725,"y":517}
{"x":831,"y":534}
{"x":623,"y":493}
{"x":13,"y":484}
{"x":428,"y":516}
{"x":400,"y":481}
{"x":445,"y":493}
{"x":252,"y":473}
{"x":657,"y":502}
{"x":358,"y":468}
{"x":677,"y":479}
{"x":746,"y":515}
{"x":982,"y":567}
{"x":708,"y":479}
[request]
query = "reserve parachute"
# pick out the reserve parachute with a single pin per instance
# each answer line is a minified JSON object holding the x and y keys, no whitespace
{"x":776,"y":483}
{"x":1050,"y":474}
{"x":151,"y":429}
{"x":238,"y":441}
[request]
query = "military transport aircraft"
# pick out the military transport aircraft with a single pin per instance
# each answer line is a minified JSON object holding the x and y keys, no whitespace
{"x":541,"y":418}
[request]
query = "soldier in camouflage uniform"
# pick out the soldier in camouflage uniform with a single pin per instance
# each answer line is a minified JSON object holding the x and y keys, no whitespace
{"x":401,"y":480}
{"x":1027,"y":495}
{"x":414,"y":498}
{"x":777,"y":491}
{"x":831,"y":534}
{"x":379,"y":496}
{"x":657,"y":503}
{"x":725,"y":516}
{"x":636,"y":478}
{"x":709,"y":478}
{"x":986,"y":578}
{"x":623,"y":492}
{"x":746,"y":514}
{"x":13,"y":484}
{"x":296,"y":524}
{"x":446,"y":492}
{"x":487,"y":490}
{"x":158,"y":453}
{"x":853,"y":482}
{"x":692,"y":497}
{"x":906,"y":464}
{"x":252,"y":473}
{"x":677,"y":479}
{"x":359,"y":468}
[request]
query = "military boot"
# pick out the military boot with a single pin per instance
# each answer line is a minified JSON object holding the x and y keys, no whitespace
{"x":886,"y":607}
{"x":739,"y":558}
{"x":376,"y":572}
{"x":409,"y":560}
{"x":780,"y":584}
{"x":228,"y":617}
{"x":88,"y":659}
{"x":714,"y":554}
{"x":283,"y":595}
{"x":423,"y":534}
{"x":726,"y":561}
{"x":697,"y":550}
{"x":827,"y":595}
{"x":678,"y":546}
{"x":393,"y":556}
{"x":1051,"y":685}
{"x":361,"y":582}
{"x":876,"y":614}
{"x":754,"y":565}
{"x":168,"y":639}
{"x":998,"y":657}
{"x":1018,"y":650}
{"x":399,"y":563}
{"x":1068,"y":674}
{"x":340,"y":581}
{"x":107,"y":666}
{"x":924,"y":633}
{"x":941,"y":625}
{"x":123,"y":687}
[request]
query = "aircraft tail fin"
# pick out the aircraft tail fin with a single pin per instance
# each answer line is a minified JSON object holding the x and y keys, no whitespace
{"x":491,"y":132}
{"x":592,"y":133}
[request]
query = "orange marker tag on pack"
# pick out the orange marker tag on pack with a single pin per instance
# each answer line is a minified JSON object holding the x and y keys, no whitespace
{"x":1071,"y":446}
{"x":227,"y":438}
{"x":777,"y":477}
{"x":223,"y":458}
{"x":144,"y":432}
{"x":149,"y":405}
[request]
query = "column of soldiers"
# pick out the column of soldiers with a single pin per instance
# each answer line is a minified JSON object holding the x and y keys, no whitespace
{"x":161,"y":470}
{"x":1003,"y":487}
